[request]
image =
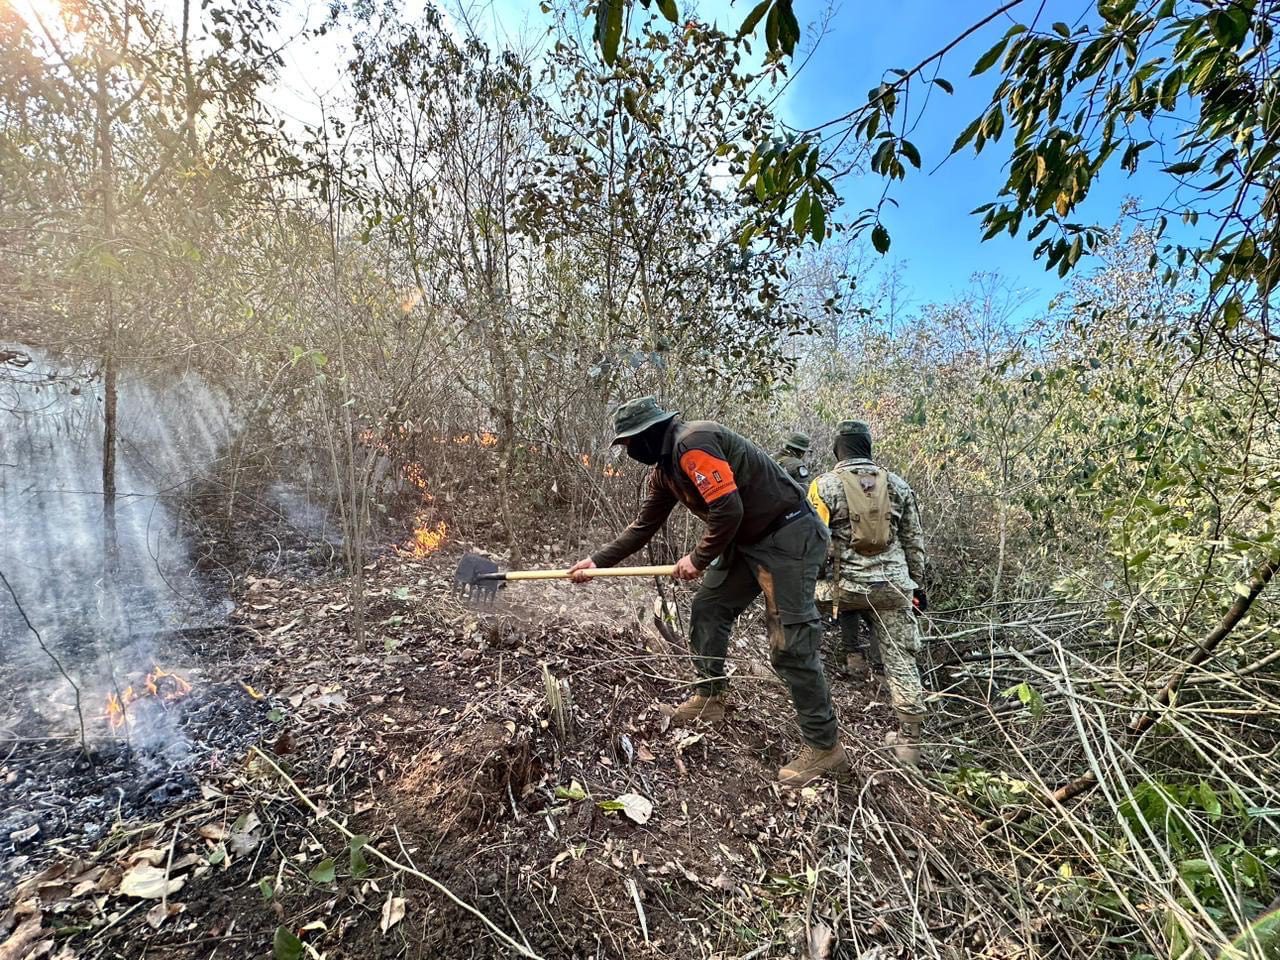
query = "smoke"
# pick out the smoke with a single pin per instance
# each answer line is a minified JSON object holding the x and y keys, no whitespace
{"x":171,"y":433}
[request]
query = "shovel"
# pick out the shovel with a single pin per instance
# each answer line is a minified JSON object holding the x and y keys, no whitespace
{"x":478,"y":577}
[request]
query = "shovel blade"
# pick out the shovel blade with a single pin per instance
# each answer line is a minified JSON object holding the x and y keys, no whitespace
{"x":470,"y":579}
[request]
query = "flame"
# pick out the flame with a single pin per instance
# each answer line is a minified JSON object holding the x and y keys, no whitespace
{"x":426,"y":538}
{"x":173,"y":688}
{"x":584,"y":459}
{"x":611,"y":471}
{"x":411,"y":299}
{"x":413,"y":474}
{"x":161,"y":684}
{"x":485,"y":439}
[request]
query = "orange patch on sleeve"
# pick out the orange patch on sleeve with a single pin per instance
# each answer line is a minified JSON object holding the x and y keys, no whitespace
{"x":712,"y":476}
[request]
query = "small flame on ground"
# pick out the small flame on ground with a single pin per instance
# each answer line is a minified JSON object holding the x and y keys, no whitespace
{"x":161,"y":684}
{"x":427,"y":538}
{"x":414,"y":475}
{"x":485,"y":439}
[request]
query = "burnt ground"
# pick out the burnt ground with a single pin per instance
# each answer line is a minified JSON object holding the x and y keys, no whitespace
{"x":436,"y":746}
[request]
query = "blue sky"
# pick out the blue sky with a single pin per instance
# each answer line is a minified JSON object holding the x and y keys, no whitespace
{"x":936,"y":242}
{"x":935,"y":237}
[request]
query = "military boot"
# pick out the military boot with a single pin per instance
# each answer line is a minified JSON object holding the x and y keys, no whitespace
{"x":699,"y":707}
{"x":855,"y":664}
{"x":906,"y":739}
{"x":812,"y":763}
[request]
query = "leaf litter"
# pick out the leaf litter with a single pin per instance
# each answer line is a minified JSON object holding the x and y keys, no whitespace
{"x":444,"y":756}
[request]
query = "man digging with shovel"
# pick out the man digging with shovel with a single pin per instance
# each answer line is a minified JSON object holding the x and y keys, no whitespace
{"x":761,"y":537}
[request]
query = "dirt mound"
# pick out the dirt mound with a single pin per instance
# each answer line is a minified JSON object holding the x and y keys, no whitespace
{"x":472,"y":780}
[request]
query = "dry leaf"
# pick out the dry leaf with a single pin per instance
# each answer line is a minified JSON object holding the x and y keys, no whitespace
{"x":392,"y":913}
{"x":339,"y":754}
{"x":644,"y":753}
{"x":281,"y":631}
{"x":724,"y":884}
{"x":151,"y":855}
{"x":636,"y":807}
{"x":22,"y":836}
{"x":285,"y":744}
{"x":242,"y":844}
{"x":331,"y":700}
{"x":109,"y":880}
{"x":822,"y":942}
{"x":161,"y":912}
{"x":15,"y":948}
{"x":148,"y":883}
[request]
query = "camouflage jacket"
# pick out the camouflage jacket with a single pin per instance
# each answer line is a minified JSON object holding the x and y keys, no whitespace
{"x":901,"y":565}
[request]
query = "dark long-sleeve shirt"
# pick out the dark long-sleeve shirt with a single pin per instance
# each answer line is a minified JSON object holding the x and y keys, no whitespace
{"x":726,"y":480}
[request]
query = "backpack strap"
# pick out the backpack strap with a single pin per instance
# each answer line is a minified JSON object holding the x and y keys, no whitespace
{"x":851,"y":492}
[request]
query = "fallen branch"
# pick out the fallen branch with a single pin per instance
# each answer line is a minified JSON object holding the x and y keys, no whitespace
{"x":84,"y":740}
{"x":1069,"y":791}
{"x":522,"y":949}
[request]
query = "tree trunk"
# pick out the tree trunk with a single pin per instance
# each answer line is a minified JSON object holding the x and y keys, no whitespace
{"x":357,"y":495}
{"x":110,"y":358}
{"x":505,"y":492}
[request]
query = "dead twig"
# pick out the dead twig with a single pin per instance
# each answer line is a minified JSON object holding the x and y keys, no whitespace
{"x":84,"y":741}
{"x":523,"y":949}
{"x":1084,"y":783}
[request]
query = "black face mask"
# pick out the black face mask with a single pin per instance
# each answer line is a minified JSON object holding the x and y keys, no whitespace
{"x":850,"y":446}
{"x":646,"y":447}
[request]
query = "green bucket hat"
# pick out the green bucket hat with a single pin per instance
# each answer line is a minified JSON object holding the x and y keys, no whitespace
{"x":853,"y":428}
{"x":798,"y":441}
{"x":637,"y":416}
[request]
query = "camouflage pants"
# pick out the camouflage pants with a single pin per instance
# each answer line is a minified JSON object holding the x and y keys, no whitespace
{"x":784,"y":567}
{"x":893,"y":628}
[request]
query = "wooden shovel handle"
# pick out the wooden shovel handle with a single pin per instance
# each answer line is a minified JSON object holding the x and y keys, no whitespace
{"x":662,"y":571}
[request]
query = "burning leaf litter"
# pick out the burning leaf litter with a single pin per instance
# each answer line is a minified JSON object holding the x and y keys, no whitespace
{"x":161,"y":685}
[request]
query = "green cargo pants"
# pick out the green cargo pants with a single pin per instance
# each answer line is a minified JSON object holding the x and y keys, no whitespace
{"x":784,"y":567}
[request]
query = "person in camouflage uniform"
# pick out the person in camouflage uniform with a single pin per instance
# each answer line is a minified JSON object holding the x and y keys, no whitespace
{"x":884,"y":584}
{"x":792,"y":458}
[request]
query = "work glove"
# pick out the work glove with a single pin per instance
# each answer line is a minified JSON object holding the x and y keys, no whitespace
{"x":919,"y":599}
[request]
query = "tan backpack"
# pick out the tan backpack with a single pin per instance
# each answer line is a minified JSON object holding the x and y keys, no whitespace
{"x":866,"y":491}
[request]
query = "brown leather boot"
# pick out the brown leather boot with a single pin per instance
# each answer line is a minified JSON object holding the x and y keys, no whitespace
{"x":812,"y":763}
{"x":906,"y":739}
{"x":699,"y":707}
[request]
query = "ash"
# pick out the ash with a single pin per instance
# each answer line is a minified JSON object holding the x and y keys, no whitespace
{"x":52,"y":795}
